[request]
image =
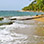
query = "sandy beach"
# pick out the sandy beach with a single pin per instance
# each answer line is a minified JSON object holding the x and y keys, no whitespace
{"x":40,"y":19}
{"x":29,"y":11}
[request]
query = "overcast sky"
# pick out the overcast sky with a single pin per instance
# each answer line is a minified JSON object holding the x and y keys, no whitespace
{"x":13,"y":4}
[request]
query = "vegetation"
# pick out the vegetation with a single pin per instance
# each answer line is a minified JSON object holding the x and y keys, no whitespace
{"x":36,"y":5}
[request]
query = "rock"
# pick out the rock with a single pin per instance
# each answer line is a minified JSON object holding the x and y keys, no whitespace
{"x":1,"y":18}
{"x":21,"y":18}
{"x":13,"y":19}
{"x":6,"y":23}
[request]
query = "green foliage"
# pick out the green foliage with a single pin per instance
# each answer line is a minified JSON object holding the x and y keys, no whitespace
{"x":36,"y":5}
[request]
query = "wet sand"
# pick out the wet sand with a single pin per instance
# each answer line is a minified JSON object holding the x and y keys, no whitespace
{"x":34,"y":30}
{"x":23,"y":32}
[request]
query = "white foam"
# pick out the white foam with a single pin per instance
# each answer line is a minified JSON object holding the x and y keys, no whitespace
{"x":21,"y":17}
{"x":6,"y":37}
{"x":14,"y":25}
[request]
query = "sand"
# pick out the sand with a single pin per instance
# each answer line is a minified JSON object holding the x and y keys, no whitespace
{"x":40,"y":19}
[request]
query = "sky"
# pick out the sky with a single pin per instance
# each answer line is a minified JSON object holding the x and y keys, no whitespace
{"x":13,"y":4}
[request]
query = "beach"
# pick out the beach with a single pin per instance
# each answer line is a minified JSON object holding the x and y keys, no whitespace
{"x":21,"y":21}
{"x":21,"y":30}
{"x":29,"y":11}
{"x":40,"y":19}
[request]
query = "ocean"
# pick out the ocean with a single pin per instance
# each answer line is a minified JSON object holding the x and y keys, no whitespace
{"x":21,"y":31}
{"x":18,"y":13}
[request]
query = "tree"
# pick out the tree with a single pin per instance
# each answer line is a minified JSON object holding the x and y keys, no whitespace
{"x":35,"y":5}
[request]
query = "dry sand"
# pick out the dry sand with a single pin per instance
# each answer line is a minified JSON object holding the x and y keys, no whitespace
{"x":40,"y":19}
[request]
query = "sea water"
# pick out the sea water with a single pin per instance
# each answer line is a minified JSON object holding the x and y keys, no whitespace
{"x":18,"y":13}
{"x":21,"y":31}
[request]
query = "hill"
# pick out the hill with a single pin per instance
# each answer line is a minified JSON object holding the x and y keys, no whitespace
{"x":36,"y":5}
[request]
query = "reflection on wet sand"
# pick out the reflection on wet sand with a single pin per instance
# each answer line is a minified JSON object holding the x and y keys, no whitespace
{"x":41,"y":42}
{"x":34,"y":31}
{"x":40,"y":30}
{"x":23,"y":32}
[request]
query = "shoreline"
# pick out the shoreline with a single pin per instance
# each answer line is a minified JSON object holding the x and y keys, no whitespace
{"x":39,"y":19}
{"x":29,"y":11}
{"x":22,"y":10}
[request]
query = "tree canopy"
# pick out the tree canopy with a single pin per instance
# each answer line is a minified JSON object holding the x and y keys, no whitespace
{"x":36,"y":5}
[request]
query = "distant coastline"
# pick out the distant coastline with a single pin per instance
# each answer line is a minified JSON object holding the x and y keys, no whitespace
{"x":21,"y":10}
{"x":28,"y":11}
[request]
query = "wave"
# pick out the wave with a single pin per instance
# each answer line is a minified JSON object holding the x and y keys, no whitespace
{"x":8,"y":35}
